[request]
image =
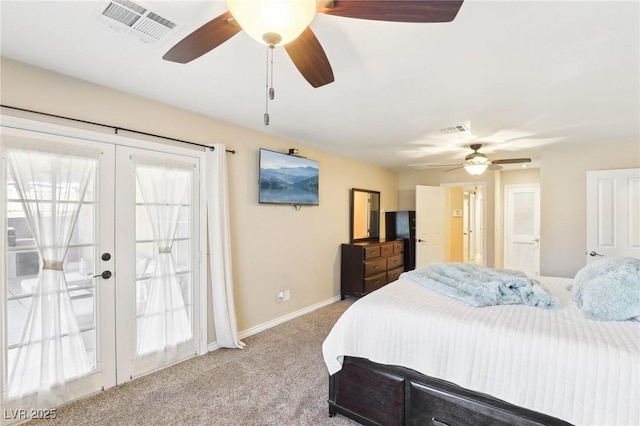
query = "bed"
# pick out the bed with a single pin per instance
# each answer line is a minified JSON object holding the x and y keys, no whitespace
{"x":406,"y":354}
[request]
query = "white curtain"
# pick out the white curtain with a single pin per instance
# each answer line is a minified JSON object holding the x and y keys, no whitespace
{"x":165,"y":187}
{"x":224,"y":316}
{"x":52,"y":187}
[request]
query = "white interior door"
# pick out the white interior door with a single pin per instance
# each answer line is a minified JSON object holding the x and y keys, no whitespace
{"x":477,"y":232}
{"x":471,"y":232}
{"x":522,"y":228}
{"x":466,"y":227}
{"x":430,"y":225}
{"x":613,"y":213}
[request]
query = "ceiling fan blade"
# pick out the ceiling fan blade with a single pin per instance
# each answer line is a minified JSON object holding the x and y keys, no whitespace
{"x":443,"y":165}
{"x":455,"y":168}
{"x":512,"y":161}
{"x":308,"y":56}
{"x":204,"y":39}
{"x":429,"y":165}
{"x":395,"y":10}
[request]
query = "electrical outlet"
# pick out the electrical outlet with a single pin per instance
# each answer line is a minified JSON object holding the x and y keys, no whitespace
{"x":280,"y":297}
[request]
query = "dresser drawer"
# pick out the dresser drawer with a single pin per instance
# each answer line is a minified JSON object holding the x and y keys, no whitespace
{"x":365,"y":267}
{"x":386,"y":249}
{"x":395,"y":261}
{"x":371,"y":252}
{"x":374,"y":267}
{"x":375,"y":282}
{"x":394,"y":274}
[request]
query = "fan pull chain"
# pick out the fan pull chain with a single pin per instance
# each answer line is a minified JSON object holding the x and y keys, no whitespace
{"x":270,"y":91}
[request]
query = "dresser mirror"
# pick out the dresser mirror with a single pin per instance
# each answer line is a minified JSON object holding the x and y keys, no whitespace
{"x":365,"y":215}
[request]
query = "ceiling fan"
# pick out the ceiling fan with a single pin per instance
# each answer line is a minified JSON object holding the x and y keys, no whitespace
{"x":476,"y":163}
{"x":294,"y":32}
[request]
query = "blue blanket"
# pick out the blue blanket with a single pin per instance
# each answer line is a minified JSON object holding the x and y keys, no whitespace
{"x":481,"y":286}
{"x":608,"y":289}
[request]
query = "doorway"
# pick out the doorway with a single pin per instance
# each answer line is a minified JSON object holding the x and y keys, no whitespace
{"x":450,"y":222}
{"x":472,"y":225}
{"x":102,"y":264}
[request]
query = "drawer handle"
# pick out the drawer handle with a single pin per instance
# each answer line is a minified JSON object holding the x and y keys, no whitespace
{"x":436,"y":422}
{"x":376,"y":267}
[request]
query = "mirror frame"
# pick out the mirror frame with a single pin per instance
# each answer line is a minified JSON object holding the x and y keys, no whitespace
{"x":352,"y":238}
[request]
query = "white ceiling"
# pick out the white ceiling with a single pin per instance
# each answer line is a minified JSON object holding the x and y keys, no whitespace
{"x":521,"y":74}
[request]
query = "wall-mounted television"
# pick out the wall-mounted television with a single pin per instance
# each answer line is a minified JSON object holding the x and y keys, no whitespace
{"x":287,"y":179}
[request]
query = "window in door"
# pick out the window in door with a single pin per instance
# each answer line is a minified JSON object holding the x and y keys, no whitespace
{"x":49,"y":294}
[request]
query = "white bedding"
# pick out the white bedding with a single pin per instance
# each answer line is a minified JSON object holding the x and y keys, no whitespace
{"x":551,"y":361}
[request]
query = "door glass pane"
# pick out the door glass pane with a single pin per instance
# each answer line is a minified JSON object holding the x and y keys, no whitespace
{"x":164,"y":239}
{"x":24,"y":262}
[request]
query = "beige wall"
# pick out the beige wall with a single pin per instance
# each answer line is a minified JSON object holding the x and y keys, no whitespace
{"x":563,"y":193}
{"x":274,"y":247}
{"x":455,"y":228}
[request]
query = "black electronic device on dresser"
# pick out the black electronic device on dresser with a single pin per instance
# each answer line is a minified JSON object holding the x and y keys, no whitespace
{"x":402,"y":225}
{"x":367,"y":266}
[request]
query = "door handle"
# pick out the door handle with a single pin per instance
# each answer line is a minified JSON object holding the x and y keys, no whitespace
{"x":593,"y":254}
{"x":421,"y":241}
{"x":105,"y":275}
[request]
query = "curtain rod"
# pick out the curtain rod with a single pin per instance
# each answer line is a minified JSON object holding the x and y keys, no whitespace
{"x":115,"y":128}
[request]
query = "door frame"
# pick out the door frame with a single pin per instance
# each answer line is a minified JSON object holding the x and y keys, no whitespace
{"x":118,"y":140}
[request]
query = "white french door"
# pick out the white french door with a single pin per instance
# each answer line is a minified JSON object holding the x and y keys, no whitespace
{"x":100,"y":266}
{"x":57,"y":218}
{"x":158,"y":260}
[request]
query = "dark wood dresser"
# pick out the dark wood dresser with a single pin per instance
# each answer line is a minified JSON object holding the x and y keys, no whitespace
{"x":367,"y":266}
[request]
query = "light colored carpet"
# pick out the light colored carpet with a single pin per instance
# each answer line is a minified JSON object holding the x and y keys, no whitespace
{"x":279,"y":379}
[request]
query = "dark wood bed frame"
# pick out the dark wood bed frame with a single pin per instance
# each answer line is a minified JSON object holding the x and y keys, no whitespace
{"x":376,"y":394}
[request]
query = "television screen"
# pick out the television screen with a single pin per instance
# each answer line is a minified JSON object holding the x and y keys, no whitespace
{"x":287,"y":179}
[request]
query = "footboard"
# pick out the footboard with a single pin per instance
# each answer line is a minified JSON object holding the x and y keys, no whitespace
{"x":376,"y":394}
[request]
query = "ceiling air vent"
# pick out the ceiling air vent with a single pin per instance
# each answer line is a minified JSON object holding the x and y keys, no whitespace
{"x":459,"y":128}
{"x":136,"y":20}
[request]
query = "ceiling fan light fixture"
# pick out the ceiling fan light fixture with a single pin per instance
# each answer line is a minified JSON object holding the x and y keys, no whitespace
{"x":273,"y":22}
{"x":477,"y":165}
{"x":475,"y":169}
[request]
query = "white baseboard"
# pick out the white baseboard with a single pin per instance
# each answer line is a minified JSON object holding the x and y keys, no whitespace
{"x":267,"y":325}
